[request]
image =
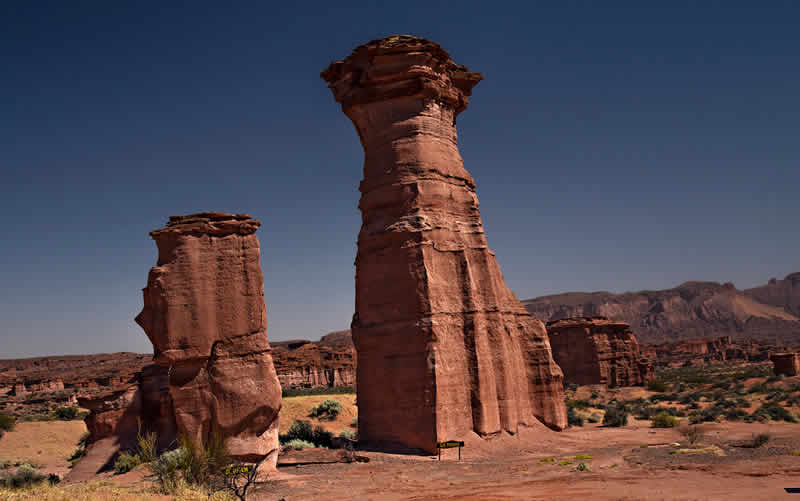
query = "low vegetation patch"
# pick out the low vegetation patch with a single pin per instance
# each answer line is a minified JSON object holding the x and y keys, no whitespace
{"x":320,"y":390}
{"x":328,"y":410}
{"x":317,"y":436}
{"x":7,"y":423}
{"x":616,"y":415}
{"x":25,"y":476}
{"x":664,"y":420}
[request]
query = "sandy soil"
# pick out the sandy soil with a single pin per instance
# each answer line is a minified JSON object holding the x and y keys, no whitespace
{"x":513,"y":468}
{"x":46,"y":443}
{"x":298,"y":408}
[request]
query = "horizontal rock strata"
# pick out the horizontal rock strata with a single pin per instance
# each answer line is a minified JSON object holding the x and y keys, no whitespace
{"x":444,"y":348}
{"x":597,"y":350}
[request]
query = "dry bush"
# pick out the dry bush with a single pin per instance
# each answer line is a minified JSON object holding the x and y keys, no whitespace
{"x":692,"y":433}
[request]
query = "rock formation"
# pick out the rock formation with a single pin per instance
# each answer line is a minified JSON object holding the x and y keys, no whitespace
{"x":691,"y":310}
{"x":787,"y":364}
{"x":781,"y":293}
{"x":120,"y":412}
{"x":705,"y":351}
{"x":444,"y":348}
{"x":204,"y":312}
{"x":303,"y":364}
{"x":597,"y":350}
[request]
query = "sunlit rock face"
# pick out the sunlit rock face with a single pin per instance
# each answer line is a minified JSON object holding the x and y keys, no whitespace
{"x":597,"y":350}
{"x":204,"y":312}
{"x":444,"y":347}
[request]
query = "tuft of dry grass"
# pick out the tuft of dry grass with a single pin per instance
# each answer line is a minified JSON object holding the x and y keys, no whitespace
{"x":104,"y":490}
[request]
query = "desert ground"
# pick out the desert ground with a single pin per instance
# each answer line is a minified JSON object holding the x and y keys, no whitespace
{"x":593,"y":461}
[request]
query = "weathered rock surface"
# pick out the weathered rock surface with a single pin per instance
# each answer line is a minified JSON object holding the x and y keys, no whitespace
{"x":444,"y":347}
{"x":119,"y":413}
{"x":304,"y":364}
{"x":204,"y":312}
{"x":691,"y":310}
{"x":787,"y":364}
{"x":597,"y":350}
{"x":781,"y":293}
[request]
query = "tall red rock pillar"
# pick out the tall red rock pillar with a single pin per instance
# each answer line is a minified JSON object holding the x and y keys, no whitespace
{"x":204,"y":312}
{"x":444,"y":348}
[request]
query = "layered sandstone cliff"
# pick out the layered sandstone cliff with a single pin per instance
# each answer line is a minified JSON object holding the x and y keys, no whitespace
{"x":597,"y":350}
{"x":444,"y":347}
{"x":204,"y":312}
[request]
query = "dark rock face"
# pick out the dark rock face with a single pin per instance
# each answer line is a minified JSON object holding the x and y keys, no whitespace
{"x":691,"y":310}
{"x":204,"y":312}
{"x":119,"y":412}
{"x":598,"y":351}
{"x":444,"y":348}
{"x":786,"y":364}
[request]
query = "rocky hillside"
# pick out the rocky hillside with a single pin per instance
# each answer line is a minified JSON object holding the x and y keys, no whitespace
{"x":781,"y":293}
{"x":691,"y":310}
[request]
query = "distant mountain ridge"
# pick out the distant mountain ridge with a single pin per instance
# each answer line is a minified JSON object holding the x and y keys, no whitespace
{"x":691,"y":310}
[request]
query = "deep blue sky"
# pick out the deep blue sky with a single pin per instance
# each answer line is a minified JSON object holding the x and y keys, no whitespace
{"x":615,"y":148}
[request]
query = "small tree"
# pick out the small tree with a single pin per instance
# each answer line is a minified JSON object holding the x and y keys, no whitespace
{"x":239,"y":478}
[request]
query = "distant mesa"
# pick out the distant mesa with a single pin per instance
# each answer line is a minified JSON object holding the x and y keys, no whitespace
{"x":692,"y":310}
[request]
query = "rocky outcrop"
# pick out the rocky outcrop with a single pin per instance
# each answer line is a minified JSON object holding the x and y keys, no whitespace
{"x":781,"y":293}
{"x":691,"y":310}
{"x":597,"y":350}
{"x":204,"y":312}
{"x":786,"y":364}
{"x":706,"y":351}
{"x":444,"y":347}
{"x":304,"y":364}
{"x":121,"y":413}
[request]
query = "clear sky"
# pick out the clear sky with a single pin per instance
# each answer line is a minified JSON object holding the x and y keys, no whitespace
{"x":615,"y":147}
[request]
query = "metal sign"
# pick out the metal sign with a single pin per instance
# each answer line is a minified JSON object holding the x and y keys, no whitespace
{"x":449,"y":445}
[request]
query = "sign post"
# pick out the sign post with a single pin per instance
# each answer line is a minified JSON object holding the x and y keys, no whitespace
{"x":449,"y":445}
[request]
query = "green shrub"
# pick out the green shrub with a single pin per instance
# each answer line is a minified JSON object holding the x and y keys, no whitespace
{"x":7,"y":423}
{"x":594,"y":418}
{"x":583,"y":467}
{"x":25,"y":476}
{"x":327,"y":410}
{"x":657,"y":384}
{"x":167,"y":468}
{"x":126,"y":462}
{"x":321,"y":437}
{"x":578,"y":404}
{"x":66,"y":413}
{"x":5,"y":464}
{"x":299,"y":430}
{"x":616,"y":415}
{"x":573,"y":418}
{"x":348,"y":434}
{"x":664,"y":420}
{"x":774,"y":412}
{"x":299,"y":445}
